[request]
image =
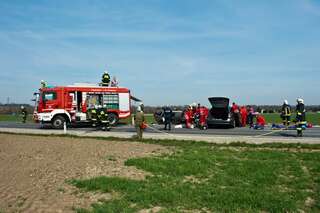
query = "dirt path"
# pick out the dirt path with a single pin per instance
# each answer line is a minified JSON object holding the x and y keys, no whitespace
{"x":33,"y":170}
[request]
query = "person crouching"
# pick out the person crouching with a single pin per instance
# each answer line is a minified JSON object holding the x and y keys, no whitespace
{"x":261,"y":122}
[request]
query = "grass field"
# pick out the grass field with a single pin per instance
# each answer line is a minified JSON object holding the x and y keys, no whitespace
{"x":312,"y":117}
{"x":14,"y":118}
{"x":200,"y":177}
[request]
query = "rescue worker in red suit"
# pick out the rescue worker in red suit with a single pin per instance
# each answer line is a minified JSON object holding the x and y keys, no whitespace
{"x":203,"y":115}
{"x":261,"y":122}
{"x":236,"y":113}
{"x":188,"y":115}
{"x":244,"y":114}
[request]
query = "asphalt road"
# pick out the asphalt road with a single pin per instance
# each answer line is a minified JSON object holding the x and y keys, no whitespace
{"x":312,"y":132}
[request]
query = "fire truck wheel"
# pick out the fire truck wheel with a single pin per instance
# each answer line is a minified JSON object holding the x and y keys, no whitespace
{"x":57,"y":122}
{"x":113,"y":119}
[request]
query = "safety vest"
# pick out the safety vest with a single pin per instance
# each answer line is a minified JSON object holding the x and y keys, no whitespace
{"x":287,"y":111}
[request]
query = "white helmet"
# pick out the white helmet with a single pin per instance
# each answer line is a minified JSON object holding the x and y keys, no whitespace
{"x":139,"y":109}
{"x":285,"y":102}
{"x":300,"y":100}
{"x":22,"y":107}
{"x":106,"y":72}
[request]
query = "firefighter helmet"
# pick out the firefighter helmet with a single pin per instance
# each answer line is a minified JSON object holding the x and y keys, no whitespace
{"x":300,"y":100}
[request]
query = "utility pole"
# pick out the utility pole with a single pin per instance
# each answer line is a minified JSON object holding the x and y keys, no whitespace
{"x":8,"y":100}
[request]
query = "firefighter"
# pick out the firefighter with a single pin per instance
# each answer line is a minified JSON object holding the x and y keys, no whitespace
{"x":286,"y":113}
{"x":300,"y":117}
{"x":24,"y":114}
{"x":141,"y":106}
{"x":43,"y":84}
{"x":94,"y":115}
{"x":167,"y":114}
{"x":103,"y":118}
{"x":105,"y":79}
{"x":139,"y":121}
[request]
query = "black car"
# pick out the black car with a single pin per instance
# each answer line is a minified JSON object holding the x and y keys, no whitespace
{"x":177,"y":117}
{"x":220,"y":114}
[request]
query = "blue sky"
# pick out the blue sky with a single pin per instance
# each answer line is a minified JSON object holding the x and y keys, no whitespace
{"x":165,"y":51}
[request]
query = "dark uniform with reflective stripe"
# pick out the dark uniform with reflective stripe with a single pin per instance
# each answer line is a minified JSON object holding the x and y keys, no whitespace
{"x":167,"y":114}
{"x":24,"y":115}
{"x":300,"y":118}
{"x":103,"y":119}
{"x":286,"y":114}
{"x":94,"y":117}
{"x":105,"y":79}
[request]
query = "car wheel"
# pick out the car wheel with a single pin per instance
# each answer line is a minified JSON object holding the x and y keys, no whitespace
{"x":113,"y":119}
{"x":58,"y":121}
{"x":233,"y":124}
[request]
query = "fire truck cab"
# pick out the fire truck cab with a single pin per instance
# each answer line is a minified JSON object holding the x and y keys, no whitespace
{"x":71,"y":104}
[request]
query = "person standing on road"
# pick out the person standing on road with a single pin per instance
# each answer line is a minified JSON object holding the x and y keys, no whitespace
{"x":167,"y":114}
{"x":244,"y":114}
{"x":300,"y":117}
{"x":286,"y":113}
{"x":24,"y":114}
{"x":236,"y":112}
{"x":188,"y":116}
{"x":139,"y":121}
{"x":103,"y":118}
{"x":94,"y":115}
{"x":203,"y":115}
{"x":250,"y":116}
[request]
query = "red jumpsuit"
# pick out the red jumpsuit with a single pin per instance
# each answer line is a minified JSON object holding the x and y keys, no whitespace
{"x":188,"y":115}
{"x":203,"y":112}
{"x":244,"y":114}
{"x":261,"y":121}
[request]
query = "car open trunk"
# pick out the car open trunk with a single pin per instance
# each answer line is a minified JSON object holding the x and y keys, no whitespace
{"x":220,"y":107}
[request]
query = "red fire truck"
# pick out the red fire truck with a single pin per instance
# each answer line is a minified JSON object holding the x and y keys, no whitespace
{"x":71,"y":104}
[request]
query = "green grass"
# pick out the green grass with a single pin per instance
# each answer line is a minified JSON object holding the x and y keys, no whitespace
{"x":311,"y":117}
{"x":149,"y":119}
{"x":219,"y":178}
{"x":14,"y":118}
